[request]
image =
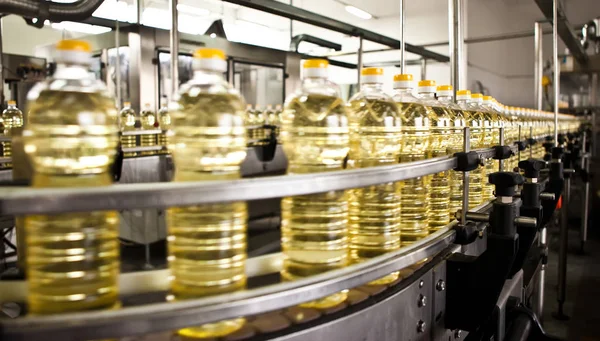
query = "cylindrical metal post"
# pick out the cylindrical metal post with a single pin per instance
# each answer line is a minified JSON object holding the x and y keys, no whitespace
{"x":538,"y":64}
{"x":531,"y":137}
{"x":2,"y":67}
{"x":360,"y":60}
{"x":465,"y":202}
{"x":402,"y":27}
{"x":540,"y":292}
{"x":423,"y":68}
{"x":174,"y":46}
{"x":118,"y":64}
{"x":586,"y":195}
{"x":562,"y":252}
{"x":456,"y":43}
{"x":501,"y":141}
{"x":556,"y":82}
{"x":520,"y":138}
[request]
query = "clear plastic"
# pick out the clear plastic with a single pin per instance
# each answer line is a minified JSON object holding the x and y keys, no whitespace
{"x":71,"y":139}
{"x":474,"y":119}
{"x":164,"y":121}
{"x":127,"y":123}
{"x":149,"y":122}
{"x":315,"y":137}
{"x":374,"y":211}
{"x":207,"y":243}
{"x":414,"y":207}
{"x":12,"y":117}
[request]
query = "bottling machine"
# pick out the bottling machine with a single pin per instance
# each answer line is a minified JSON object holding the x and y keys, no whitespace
{"x":483,"y":274}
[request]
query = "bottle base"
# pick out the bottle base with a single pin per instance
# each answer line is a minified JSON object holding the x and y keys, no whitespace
{"x":209,"y":330}
{"x":327,"y":302}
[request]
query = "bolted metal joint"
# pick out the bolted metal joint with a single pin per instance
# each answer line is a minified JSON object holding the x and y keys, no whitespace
{"x":421,"y":325}
{"x":440,"y":285}
{"x":480,"y":217}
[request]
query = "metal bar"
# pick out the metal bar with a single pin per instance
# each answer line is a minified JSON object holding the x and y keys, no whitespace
{"x":538,"y":64}
{"x":295,"y":42}
{"x":501,"y":141}
{"x":457,"y":43}
{"x":586,"y":195}
{"x":530,"y":147}
{"x":562,"y":252}
{"x":402,"y":43}
{"x":2,"y":65}
{"x":423,"y":68}
{"x":490,"y":38}
{"x":465,"y":202}
{"x":174,"y":47}
{"x":551,"y":10}
{"x":520,"y":138}
{"x":298,"y":14}
{"x":360,"y":60}
{"x":16,"y":201}
{"x":153,"y":318}
{"x":556,"y":84}
{"x":118,"y":63}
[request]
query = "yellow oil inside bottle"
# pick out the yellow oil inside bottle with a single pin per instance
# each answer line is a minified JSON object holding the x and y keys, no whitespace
{"x":475,"y":121}
{"x":207,"y":243}
{"x":491,"y":138}
{"x":374,"y":211}
{"x":12,"y":117}
{"x":414,"y":193}
{"x":314,"y":227}
{"x":164,"y":121}
{"x":127,"y":123}
{"x":71,"y":139}
{"x":148,"y":120}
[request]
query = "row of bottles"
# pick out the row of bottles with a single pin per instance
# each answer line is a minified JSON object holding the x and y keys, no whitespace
{"x":148,"y":121}
{"x":72,"y":133}
{"x":255,"y":120}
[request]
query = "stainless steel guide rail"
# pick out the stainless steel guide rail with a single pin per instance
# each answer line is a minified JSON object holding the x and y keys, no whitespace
{"x":24,"y":200}
{"x":159,"y":317}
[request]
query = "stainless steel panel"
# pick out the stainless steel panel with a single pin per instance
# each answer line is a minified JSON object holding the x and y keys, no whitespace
{"x":395,"y":318}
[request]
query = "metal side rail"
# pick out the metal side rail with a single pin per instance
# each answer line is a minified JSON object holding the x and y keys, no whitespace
{"x":159,"y":317}
{"x":23,"y":200}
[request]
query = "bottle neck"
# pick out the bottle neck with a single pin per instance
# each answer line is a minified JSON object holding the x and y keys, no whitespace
{"x":209,"y":73}
{"x":427,"y":95}
{"x":407,"y":91}
{"x":372,"y":86}
{"x":71,"y":71}
{"x":445,"y":99}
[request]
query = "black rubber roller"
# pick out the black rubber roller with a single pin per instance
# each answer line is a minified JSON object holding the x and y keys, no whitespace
{"x":532,"y":167}
{"x":505,"y":183}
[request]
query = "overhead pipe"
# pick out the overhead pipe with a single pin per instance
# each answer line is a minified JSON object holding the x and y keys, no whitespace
{"x":47,"y":10}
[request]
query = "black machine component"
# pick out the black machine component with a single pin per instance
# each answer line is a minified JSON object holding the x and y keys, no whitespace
{"x":475,"y":282}
{"x":554,"y":185}
{"x":265,"y":151}
{"x":502,"y":152}
{"x":53,"y":11}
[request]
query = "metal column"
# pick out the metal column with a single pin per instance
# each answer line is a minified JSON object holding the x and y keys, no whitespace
{"x":402,"y":47}
{"x":118,"y":64}
{"x":456,"y":43}
{"x":174,"y":46}
{"x":538,"y":64}
{"x":586,"y":194}
{"x":423,"y":68}
{"x":359,"y":65}
{"x":556,"y":82}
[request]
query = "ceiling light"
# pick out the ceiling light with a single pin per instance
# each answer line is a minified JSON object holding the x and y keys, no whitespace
{"x":80,"y":27}
{"x":358,"y":12}
{"x":192,"y":10}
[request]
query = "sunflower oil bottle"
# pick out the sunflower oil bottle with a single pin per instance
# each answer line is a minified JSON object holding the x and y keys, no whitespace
{"x":71,"y":138}
{"x":414,"y":193}
{"x":249,"y":123}
{"x":207,"y":243}
{"x":164,"y":121}
{"x":13,"y":118}
{"x":375,"y":136}
{"x":488,"y":142}
{"x":260,"y":118}
{"x":127,"y":123}
{"x":439,"y":141}
{"x":497,"y":122}
{"x":315,"y":138}
{"x":455,"y":144}
{"x":474,"y":119}
{"x":149,"y":122}
{"x":273,"y":119}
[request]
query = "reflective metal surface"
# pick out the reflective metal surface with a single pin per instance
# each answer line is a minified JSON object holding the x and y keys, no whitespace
{"x":166,"y":316}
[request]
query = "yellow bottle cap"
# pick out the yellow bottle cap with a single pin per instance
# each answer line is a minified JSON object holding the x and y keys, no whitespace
{"x":488,"y":98}
{"x":444,"y":88}
{"x":205,"y":53}
{"x":372,"y":71}
{"x":74,"y":45}
{"x":11,"y":102}
{"x":126,"y":104}
{"x":316,"y":63}
{"x":463,"y":93}
{"x":403,"y":77}
{"x":476,"y":95}
{"x":426,"y":83}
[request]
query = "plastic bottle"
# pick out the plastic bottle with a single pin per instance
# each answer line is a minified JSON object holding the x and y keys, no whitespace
{"x":207,"y":243}
{"x":414,"y":194}
{"x":71,"y":138}
{"x":149,"y":122}
{"x":440,"y":132}
{"x":489,"y":139}
{"x":315,"y":138}
{"x":455,"y":145}
{"x":13,"y":118}
{"x":164,"y":121}
{"x":474,"y":120}
{"x":127,"y":123}
{"x":375,"y":134}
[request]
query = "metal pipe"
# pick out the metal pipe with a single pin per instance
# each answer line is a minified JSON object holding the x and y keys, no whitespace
{"x":402,"y":27}
{"x":531,"y":147}
{"x":456,"y":43}
{"x":556,"y":67}
{"x":174,"y":46}
{"x":541,"y":291}
{"x":586,"y":195}
{"x":423,"y":68}
{"x":501,"y":141}
{"x":138,"y":11}
{"x":53,"y":11}
{"x":538,"y":64}
{"x":2,"y":66}
{"x":118,"y":63}
{"x":562,"y":252}
{"x":465,"y":202}
{"x":360,"y":60}
{"x":520,"y":138}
